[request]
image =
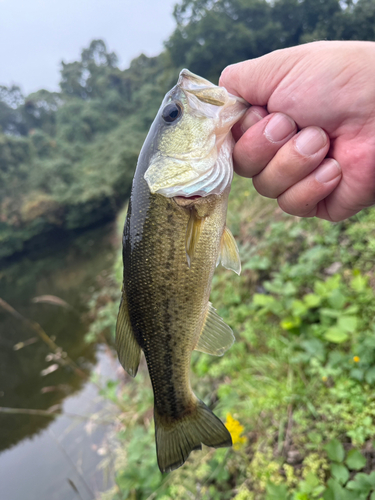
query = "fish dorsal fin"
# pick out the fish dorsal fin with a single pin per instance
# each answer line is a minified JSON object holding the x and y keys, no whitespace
{"x":216,"y":336}
{"x":229,"y":255}
{"x":129,"y":352}
{"x":193,"y":232}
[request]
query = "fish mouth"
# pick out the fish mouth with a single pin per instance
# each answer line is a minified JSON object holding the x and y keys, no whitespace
{"x":186,"y":201}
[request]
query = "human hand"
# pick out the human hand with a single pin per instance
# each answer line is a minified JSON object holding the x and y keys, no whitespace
{"x":327,"y":91}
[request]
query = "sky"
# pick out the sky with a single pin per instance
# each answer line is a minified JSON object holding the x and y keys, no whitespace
{"x":36,"y":35}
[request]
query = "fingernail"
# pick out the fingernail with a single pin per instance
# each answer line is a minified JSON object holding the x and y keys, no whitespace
{"x":251,"y":118}
{"x":328,"y":171}
{"x":279,"y":127}
{"x":310,"y":141}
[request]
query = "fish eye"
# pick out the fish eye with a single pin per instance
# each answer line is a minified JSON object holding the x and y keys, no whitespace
{"x":171,"y":112}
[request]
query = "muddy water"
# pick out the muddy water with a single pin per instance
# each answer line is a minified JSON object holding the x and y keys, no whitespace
{"x":53,"y":457}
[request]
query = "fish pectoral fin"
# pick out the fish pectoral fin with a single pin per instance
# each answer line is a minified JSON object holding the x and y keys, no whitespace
{"x":216,"y":337}
{"x":229,"y":255}
{"x":129,"y":352}
{"x":193,"y":232}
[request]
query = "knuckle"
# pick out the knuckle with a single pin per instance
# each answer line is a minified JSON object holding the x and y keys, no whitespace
{"x":263,"y":188}
{"x":292,"y":206}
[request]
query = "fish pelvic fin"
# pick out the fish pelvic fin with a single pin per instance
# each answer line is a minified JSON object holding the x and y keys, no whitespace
{"x":128,"y":350}
{"x":216,"y":336}
{"x":229,"y":255}
{"x":176,"y":440}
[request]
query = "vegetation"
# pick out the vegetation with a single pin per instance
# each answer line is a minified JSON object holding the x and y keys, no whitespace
{"x":297,"y":388}
{"x":67,"y":158}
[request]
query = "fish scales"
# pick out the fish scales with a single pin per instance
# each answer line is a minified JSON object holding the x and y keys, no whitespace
{"x":167,"y":316}
{"x":165,"y":308}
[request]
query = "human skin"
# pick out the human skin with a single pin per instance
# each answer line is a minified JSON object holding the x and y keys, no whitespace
{"x":309,"y":137}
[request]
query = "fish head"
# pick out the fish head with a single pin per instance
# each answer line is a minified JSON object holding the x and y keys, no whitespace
{"x":192,"y":143}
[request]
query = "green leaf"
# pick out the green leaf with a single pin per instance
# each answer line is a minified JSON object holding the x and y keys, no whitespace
{"x":276,"y":492}
{"x":336,"y":492}
{"x":335,"y":451}
{"x":336,"y":299}
{"x":371,"y":479}
{"x":348,"y":323}
{"x":340,"y":473}
{"x":372,"y":497}
{"x":355,"y":460}
{"x":358,"y":282}
{"x":330,"y":313}
{"x":357,"y":374}
{"x":260,"y":299}
{"x":336,"y":335}
{"x":312,"y":300}
{"x":361,"y":483}
{"x":370,"y":375}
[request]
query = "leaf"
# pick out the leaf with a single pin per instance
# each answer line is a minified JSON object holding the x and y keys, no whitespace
{"x":260,"y":299}
{"x":358,"y":282}
{"x":330,"y":313}
{"x":370,"y":375}
{"x":312,"y":300}
{"x":347,"y":323}
{"x":336,"y":335}
{"x":355,"y":460}
{"x":276,"y":492}
{"x":357,"y":374}
{"x":336,"y":492}
{"x":340,"y":473}
{"x":335,"y":451}
{"x":361,"y":483}
{"x":336,"y":299}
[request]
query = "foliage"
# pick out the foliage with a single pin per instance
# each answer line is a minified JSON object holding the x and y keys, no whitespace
{"x":78,"y":147}
{"x":296,"y":389}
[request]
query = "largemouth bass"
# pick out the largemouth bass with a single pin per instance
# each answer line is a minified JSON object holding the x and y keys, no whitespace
{"x":174,"y":237}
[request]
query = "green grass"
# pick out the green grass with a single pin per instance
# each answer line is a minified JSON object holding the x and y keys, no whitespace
{"x":299,"y":379}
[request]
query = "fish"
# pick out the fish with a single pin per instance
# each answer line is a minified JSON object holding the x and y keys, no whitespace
{"x":174,"y":236}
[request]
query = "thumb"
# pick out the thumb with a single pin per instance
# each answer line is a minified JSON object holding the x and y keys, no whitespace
{"x":256,"y":79}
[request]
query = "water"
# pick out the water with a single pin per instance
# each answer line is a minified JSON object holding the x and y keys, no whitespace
{"x":53,"y":457}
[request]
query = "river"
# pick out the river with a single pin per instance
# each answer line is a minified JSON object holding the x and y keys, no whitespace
{"x":54,"y":457}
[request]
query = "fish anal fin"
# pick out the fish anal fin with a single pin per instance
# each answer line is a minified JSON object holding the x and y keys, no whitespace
{"x":193,"y":232}
{"x":129,"y":352}
{"x":229,"y":255}
{"x":216,"y":336}
{"x":176,"y":440}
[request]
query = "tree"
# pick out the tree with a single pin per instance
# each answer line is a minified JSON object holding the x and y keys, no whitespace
{"x":90,"y":76}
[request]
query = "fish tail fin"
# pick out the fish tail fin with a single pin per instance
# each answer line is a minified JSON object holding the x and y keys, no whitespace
{"x":175,"y":440}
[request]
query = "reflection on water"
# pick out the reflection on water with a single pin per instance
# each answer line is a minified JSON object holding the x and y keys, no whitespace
{"x":71,"y":273}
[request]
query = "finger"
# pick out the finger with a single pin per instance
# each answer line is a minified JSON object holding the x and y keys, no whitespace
{"x":256,"y":79}
{"x":303,"y":199}
{"x":294,"y":161}
{"x":252,"y":116}
{"x":261,"y":142}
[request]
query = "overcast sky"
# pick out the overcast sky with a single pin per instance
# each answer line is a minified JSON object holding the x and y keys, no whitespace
{"x":36,"y":35}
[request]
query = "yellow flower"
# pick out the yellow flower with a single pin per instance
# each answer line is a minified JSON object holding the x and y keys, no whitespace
{"x":356,"y":359}
{"x":324,"y":378}
{"x":235,"y":429}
